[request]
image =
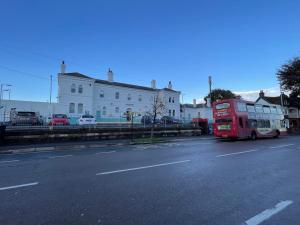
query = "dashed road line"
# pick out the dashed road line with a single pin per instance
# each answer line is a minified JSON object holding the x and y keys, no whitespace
{"x":9,"y":161}
{"x":281,"y":146}
{"x":237,"y":153}
{"x":143,"y":167}
{"x":259,"y":218}
{"x":18,"y":186}
{"x":59,"y":156}
{"x":104,"y":152}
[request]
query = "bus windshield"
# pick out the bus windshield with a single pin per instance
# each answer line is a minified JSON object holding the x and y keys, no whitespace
{"x":222,"y":106}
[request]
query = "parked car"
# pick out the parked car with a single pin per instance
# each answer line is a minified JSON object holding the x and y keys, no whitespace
{"x":59,"y":119}
{"x":86,"y":120}
{"x":23,"y":118}
{"x":147,"y":119}
{"x":170,"y":120}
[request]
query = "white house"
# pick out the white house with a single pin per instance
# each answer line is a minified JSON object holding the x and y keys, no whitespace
{"x":191,"y":111}
{"x":109,"y":100}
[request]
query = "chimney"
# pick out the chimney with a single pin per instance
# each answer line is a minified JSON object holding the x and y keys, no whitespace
{"x":153,"y":84}
{"x":194,"y":103}
{"x":170,"y":85}
{"x":261,"y":94}
{"x":63,"y":67}
{"x":110,"y":75}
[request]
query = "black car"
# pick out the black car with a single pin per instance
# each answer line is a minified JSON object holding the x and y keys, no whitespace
{"x":149,"y":120}
{"x":170,"y":120}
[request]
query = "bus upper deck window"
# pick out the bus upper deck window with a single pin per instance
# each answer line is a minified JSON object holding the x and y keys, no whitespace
{"x":222,"y":106}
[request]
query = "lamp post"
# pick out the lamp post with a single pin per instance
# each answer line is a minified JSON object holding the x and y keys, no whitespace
{"x":1,"y":93}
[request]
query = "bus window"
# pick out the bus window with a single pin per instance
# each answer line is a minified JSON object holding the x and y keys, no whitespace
{"x":223,"y":120}
{"x":273,"y":110}
{"x":222,"y":106}
{"x":266,"y":109}
{"x":241,"y":122}
{"x":267,"y":124}
{"x":258,"y":108}
{"x":260,"y":124}
{"x":241,"y":107}
{"x":250,"y":108}
{"x":253,"y":123}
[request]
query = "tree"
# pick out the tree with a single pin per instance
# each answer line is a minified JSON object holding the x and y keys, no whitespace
{"x":219,"y":94}
{"x":157,"y":108}
{"x":289,"y":77}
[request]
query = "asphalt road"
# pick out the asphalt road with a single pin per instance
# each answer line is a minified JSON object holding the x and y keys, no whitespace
{"x":188,"y":181}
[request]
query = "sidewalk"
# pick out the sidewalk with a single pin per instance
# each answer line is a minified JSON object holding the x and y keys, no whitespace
{"x":61,"y":146}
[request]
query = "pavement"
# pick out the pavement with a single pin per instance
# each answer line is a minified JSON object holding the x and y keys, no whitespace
{"x":185,"y":181}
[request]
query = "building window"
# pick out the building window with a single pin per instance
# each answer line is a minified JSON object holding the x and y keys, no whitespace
{"x":173,"y":100}
{"x":101,"y":94}
{"x":129,"y":97}
{"x":103,"y":110}
{"x":140,"y":98}
{"x":72,"y":108}
{"x":199,"y":116}
{"x":80,"y":108}
{"x":73,"y":88}
{"x":173,"y":112}
{"x":170,"y":99}
{"x":170,"y":112}
{"x":80,"y":89}
{"x":117,"y":95}
{"x":117,"y":110}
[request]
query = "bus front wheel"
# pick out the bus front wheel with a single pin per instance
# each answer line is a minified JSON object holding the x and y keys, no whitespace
{"x":253,"y":136}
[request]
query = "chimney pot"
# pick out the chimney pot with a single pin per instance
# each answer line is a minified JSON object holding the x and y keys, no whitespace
{"x":110,"y":75}
{"x":153,"y":84}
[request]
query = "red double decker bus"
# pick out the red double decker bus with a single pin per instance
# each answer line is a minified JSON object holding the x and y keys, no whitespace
{"x":237,"y":118}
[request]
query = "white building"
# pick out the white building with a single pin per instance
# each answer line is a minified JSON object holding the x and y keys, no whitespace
{"x":108,"y":100}
{"x":43,"y":109}
{"x":191,"y":111}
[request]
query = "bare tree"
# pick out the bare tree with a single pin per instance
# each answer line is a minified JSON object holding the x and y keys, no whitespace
{"x":157,"y":109}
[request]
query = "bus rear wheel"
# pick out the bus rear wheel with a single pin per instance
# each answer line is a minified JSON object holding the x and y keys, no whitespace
{"x":277,"y":134}
{"x":253,"y":136}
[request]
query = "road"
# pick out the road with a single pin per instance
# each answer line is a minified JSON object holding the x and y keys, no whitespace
{"x":186,"y":181}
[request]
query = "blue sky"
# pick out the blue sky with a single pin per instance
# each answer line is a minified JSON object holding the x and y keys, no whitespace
{"x":240,"y":43}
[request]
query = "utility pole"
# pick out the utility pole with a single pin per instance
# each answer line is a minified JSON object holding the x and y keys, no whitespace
{"x":50,"y":89}
{"x":209,"y":83}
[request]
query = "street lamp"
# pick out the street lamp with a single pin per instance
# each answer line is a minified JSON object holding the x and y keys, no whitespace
{"x":1,"y":92}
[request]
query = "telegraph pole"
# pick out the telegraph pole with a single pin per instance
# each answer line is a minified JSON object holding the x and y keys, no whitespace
{"x":50,"y":89}
{"x":209,"y":83}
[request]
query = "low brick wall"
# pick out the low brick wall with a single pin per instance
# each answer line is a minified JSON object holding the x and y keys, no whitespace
{"x":56,"y":135}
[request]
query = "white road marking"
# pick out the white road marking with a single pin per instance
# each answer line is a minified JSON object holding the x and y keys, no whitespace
{"x":105,"y":152}
{"x":281,"y":146}
{"x":59,"y":156}
{"x":142,"y":167}
{"x":18,"y":186}
{"x":9,"y":161}
{"x":258,"y":219}
{"x":237,"y":153}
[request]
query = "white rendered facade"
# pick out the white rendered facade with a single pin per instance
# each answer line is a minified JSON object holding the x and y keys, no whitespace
{"x":108,"y":100}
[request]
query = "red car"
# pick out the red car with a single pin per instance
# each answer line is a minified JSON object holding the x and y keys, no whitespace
{"x":59,"y":119}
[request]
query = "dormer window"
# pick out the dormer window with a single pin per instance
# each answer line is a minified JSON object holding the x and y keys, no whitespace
{"x":73,"y":88}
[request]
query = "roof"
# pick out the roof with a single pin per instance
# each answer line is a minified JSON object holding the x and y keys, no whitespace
{"x":277,"y":100}
{"x":79,"y":75}
{"x":201,"y":105}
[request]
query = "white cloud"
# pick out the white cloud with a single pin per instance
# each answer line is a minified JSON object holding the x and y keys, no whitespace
{"x":252,"y":95}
